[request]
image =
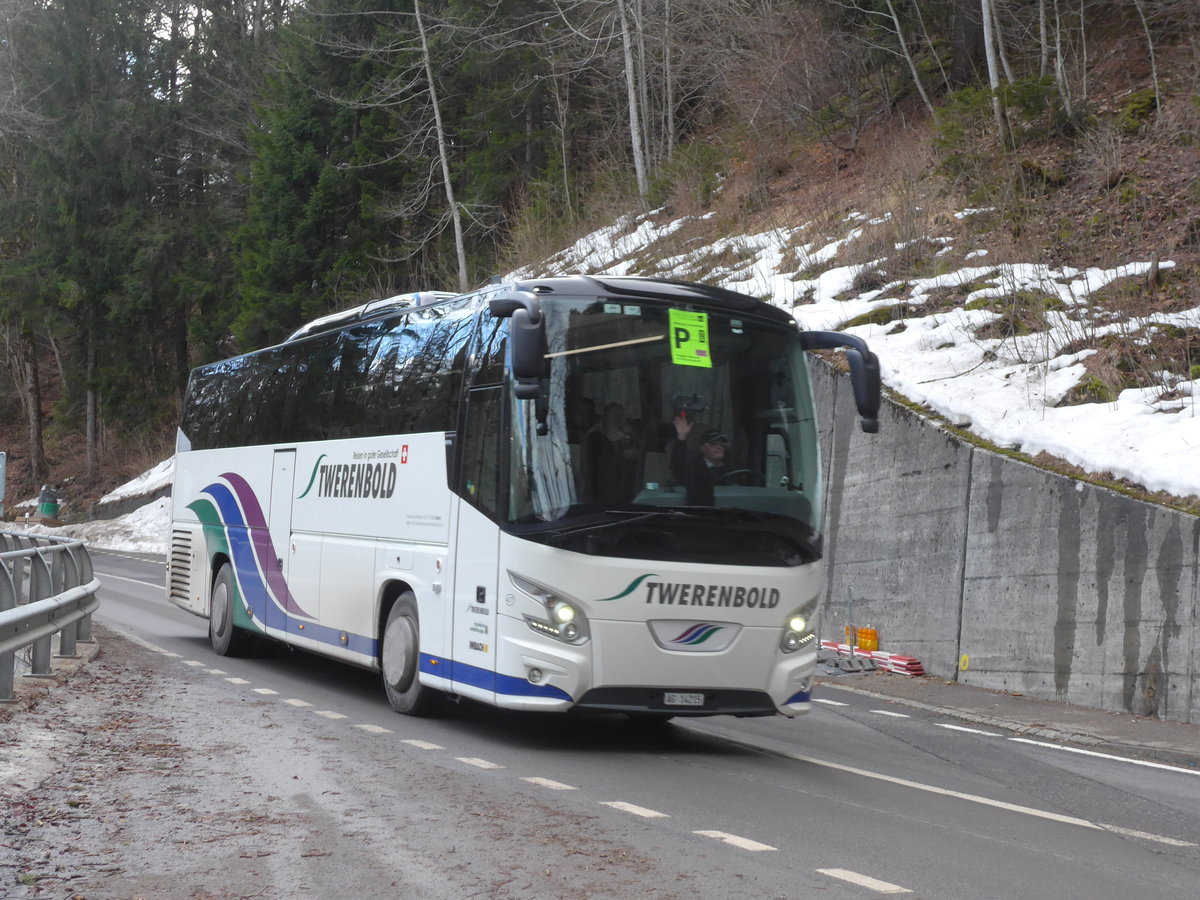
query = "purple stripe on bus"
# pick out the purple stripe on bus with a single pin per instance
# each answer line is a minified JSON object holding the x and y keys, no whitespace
{"x":267,"y":558}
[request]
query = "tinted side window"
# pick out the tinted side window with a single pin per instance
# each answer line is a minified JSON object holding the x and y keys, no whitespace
{"x":480,"y":484}
{"x":264,"y":399}
{"x":311,"y":395}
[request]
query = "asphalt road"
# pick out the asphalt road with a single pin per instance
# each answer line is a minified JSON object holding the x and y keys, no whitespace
{"x":321,"y":789}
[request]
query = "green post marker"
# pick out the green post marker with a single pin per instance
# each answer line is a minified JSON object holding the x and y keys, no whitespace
{"x":689,"y":338}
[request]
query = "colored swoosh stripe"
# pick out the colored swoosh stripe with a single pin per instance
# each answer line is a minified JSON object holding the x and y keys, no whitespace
{"x":633,"y":585}
{"x":264,"y":550}
{"x":312,"y":479}
{"x":216,"y":543}
{"x":697,"y":634}
{"x":248,"y":561}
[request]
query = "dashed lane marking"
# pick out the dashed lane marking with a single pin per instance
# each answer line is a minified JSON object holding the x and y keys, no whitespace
{"x":215,"y":672}
{"x":194,"y":663}
{"x":266,"y":692}
{"x":829,"y":702}
{"x":736,"y":841}
{"x":423,"y":745}
{"x":237,"y":680}
{"x":142,"y":642}
{"x":298,"y":703}
{"x":552,"y":785}
{"x":865,"y":881}
{"x":330,"y":714}
{"x":888,"y":712}
{"x":374,"y":729}
{"x":478,"y":763}
{"x":632,"y":809}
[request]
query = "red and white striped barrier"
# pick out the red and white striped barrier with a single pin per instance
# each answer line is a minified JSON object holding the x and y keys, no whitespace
{"x":889,"y":662}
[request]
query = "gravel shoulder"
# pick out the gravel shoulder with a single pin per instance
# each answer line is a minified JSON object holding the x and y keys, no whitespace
{"x":130,"y":781}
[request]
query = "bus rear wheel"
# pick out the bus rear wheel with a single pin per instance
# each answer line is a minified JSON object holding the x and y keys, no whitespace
{"x":226,"y":638}
{"x":399,"y":660}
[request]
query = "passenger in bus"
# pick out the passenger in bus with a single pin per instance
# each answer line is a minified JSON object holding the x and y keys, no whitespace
{"x":613,"y":454}
{"x":700,"y":469}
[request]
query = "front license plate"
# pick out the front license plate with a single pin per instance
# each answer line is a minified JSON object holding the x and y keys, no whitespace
{"x":672,"y":699}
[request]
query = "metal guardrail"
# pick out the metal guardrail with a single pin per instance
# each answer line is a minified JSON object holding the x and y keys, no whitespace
{"x":46,"y":586}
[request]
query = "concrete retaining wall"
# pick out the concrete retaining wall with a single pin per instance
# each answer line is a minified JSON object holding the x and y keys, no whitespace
{"x":1002,"y":575}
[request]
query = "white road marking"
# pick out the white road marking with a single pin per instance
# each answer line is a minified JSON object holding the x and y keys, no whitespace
{"x":1080,"y":750}
{"x":829,"y":702}
{"x":237,"y":680}
{"x":740,"y":842}
{"x":865,"y":881}
{"x":330,"y":714}
{"x":153,"y":584}
{"x":195,"y":663}
{"x":214,"y":672}
{"x":265,"y":691}
{"x":478,"y":763}
{"x":967,"y":730}
{"x":295,"y":702}
{"x":634,"y":810}
{"x":424,"y":745}
{"x":144,"y":643}
{"x":552,"y":785}
{"x":374,"y":729}
{"x":169,"y":655}
{"x":983,"y":801}
{"x":888,"y":712}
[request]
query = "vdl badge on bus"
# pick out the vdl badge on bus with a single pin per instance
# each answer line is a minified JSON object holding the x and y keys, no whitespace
{"x":577,"y":492}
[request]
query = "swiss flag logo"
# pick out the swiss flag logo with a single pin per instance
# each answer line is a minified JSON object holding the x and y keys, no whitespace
{"x":403,"y":454}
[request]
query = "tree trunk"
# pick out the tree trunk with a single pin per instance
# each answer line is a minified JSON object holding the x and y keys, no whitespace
{"x":443,"y":153}
{"x":93,"y":456}
{"x":967,"y":51}
{"x":635,"y":131}
{"x":912,"y":66}
{"x":989,"y":47}
{"x":38,"y":469}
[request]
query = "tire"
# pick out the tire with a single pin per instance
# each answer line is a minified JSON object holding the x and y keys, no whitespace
{"x":399,"y":660}
{"x":226,"y":638}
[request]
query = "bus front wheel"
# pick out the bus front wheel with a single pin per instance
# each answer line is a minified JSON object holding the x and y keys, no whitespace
{"x":399,"y":660}
{"x":226,"y":638}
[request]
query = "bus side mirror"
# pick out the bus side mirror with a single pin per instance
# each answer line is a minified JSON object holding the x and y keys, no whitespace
{"x":864,"y":372}
{"x":527,"y":340}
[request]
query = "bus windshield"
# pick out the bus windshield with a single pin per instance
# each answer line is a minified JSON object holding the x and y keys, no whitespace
{"x":670,"y":433}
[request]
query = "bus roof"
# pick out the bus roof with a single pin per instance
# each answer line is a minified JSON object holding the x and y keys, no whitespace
{"x":661,"y":289}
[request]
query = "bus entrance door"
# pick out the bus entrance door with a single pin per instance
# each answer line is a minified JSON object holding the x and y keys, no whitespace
{"x":279,"y":521}
{"x":474,"y":645}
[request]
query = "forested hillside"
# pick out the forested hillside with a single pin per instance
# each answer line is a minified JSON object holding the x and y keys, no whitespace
{"x":183,"y":181}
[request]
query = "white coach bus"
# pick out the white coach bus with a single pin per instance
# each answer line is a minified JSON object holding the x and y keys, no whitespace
{"x":511,"y":496}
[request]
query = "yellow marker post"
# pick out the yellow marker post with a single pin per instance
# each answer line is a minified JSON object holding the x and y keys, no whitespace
{"x":689,"y":338}
{"x":964,"y":662}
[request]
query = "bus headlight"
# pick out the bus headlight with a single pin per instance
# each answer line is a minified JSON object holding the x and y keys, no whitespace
{"x":799,"y":630}
{"x":563,"y":621}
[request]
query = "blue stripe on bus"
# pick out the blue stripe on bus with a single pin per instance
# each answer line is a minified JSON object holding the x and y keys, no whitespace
{"x":359,"y":643}
{"x":802,"y":697}
{"x":509,"y":685}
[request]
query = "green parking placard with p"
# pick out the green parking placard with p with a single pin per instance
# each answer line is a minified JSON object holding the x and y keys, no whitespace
{"x":689,"y":338}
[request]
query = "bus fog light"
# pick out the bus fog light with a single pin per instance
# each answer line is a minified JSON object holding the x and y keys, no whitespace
{"x":791,"y":641}
{"x":570,"y":631}
{"x":535,"y":676}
